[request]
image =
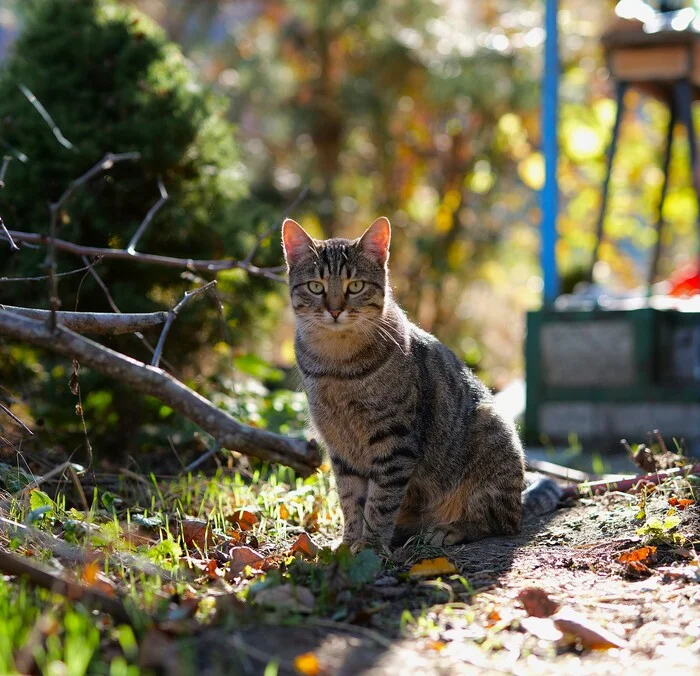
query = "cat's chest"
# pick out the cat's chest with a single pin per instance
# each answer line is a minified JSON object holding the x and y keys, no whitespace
{"x":346,"y":413}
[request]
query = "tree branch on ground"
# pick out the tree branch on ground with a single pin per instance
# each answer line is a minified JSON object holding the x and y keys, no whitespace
{"x":96,"y":323}
{"x":12,"y":564}
{"x":298,"y":454}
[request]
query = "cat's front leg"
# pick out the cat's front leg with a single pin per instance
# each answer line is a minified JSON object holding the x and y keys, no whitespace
{"x":391,"y":474}
{"x":352,"y":491}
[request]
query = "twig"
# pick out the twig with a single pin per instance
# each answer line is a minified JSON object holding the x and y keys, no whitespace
{"x":214,"y":266}
{"x":106,"y":163}
{"x":624,"y":485}
{"x":46,"y":117}
{"x":15,"y":418}
{"x":5,"y":162}
{"x":270,"y":231}
{"x":100,"y":282}
{"x":301,"y":455}
{"x":96,"y":323}
{"x":44,"y":478}
{"x":42,"y":278}
{"x":149,"y":217}
{"x":14,"y":565}
{"x":557,"y":471}
{"x":172,"y":316}
{"x":202,"y":458}
{"x":6,"y":232}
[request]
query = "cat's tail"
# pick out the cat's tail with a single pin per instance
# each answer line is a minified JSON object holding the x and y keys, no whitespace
{"x":541,"y":495}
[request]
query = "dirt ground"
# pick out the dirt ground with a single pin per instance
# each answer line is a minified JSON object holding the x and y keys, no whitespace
{"x":571,"y":555}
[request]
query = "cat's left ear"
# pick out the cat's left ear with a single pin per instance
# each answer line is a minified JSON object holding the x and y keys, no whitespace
{"x":375,"y":240}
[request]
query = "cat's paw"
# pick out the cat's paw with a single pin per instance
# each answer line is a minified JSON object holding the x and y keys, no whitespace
{"x":359,"y":545}
{"x":443,"y":537}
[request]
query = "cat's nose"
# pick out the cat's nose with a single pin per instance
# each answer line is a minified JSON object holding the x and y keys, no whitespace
{"x":334,"y":313}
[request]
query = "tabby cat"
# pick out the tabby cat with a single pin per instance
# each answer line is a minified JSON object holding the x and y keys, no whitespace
{"x":414,"y":440}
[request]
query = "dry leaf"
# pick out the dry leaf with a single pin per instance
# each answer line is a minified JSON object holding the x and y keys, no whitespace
{"x":637,"y":569}
{"x":284,"y":512}
{"x":196,"y":533}
{"x":588,"y":632}
{"x":310,"y":521}
{"x":307,"y":664}
{"x":212,"y":570}
{"x":537,"y":602}
{"x":244,"y":519}
{"x":541,"y":627}
{"x":239,"y":558}
{"x":306,"y":546}
{"x":287,"y":597}
{"x":436,"y":645}
{"x":432,"y":568}
{"x":642,"y":554}
{"x":93,"y":576}
{"x":90,"y":571}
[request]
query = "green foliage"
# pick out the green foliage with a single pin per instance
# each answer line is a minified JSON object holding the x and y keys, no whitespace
{"x":113,"y":83}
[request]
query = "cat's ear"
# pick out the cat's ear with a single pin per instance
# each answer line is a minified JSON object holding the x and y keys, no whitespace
{"x":375,"y":241}
{"x":295,"y":241}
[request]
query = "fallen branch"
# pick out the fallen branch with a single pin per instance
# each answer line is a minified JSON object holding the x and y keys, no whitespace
{"x":63,"y":550}
{"x":600,"y":487}
{"x":557,"y":471}
{"x":152,"y":259}
{"x":12,"y":564}
{"x":96,"y":323}
{"x":301,"y":455}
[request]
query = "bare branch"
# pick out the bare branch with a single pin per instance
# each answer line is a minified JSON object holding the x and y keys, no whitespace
{"x":107,"y":162}
{"x":16,"y":419}
{"x":213,"y":266}
{"x":296,"y":453}
{"x":96,"y":323}
{"x":149,"y":217}
{"x":270,"y":231}
{"x":13,"y":246}
{"x":3,"y":170}
{"x":172,"y":316}
{"x":46,"y":117}
{"x":42,"y":278}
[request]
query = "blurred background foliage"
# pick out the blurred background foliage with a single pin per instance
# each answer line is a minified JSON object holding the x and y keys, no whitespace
{"x":426,"y":111}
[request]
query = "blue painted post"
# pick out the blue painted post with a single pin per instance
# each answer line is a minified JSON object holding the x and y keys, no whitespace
{"x":550,"y":191}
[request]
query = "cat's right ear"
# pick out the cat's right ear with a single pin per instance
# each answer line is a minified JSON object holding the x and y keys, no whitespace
{"x":295,"y":241}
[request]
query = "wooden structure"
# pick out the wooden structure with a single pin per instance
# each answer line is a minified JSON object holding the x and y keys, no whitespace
{"x":618,"y":371}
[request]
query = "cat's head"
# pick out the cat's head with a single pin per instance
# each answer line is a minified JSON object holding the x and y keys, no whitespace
{"x":337,"y":284}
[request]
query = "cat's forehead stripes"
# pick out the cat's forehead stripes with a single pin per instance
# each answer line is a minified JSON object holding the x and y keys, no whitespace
{"x":334,"y":260}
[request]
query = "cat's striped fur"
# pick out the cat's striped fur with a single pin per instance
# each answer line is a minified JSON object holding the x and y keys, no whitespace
{"x":415,"y":442}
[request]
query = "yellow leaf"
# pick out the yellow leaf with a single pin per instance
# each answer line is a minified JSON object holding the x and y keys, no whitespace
{"x":436,"y":645}
{"x":307,"y":664}
{"x":284,"y":512}
{"x":432,"y":567}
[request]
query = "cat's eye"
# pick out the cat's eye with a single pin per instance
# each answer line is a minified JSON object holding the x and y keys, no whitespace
{"x":356,"y":286}
{"x":315,"y":287}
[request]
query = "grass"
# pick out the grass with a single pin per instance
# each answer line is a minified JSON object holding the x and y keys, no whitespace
{"x":193,"y":528}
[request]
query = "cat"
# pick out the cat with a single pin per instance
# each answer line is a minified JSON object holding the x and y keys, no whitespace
{"x":414,"y":440}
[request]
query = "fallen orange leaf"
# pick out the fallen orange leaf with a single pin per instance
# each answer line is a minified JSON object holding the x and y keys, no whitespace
{"x":244,"y":519}
{"x":90,"y":572}
{"x":284,"y":512}
{"x":432,"y":567}
{"x":307,"y":664}
{"x":305,"y":545}
{"x":196,"y":533}
{"x":641,"y":555}
{"x":685,"y":502}
{"x":637,"y":569}
{"x":436,"y":645}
